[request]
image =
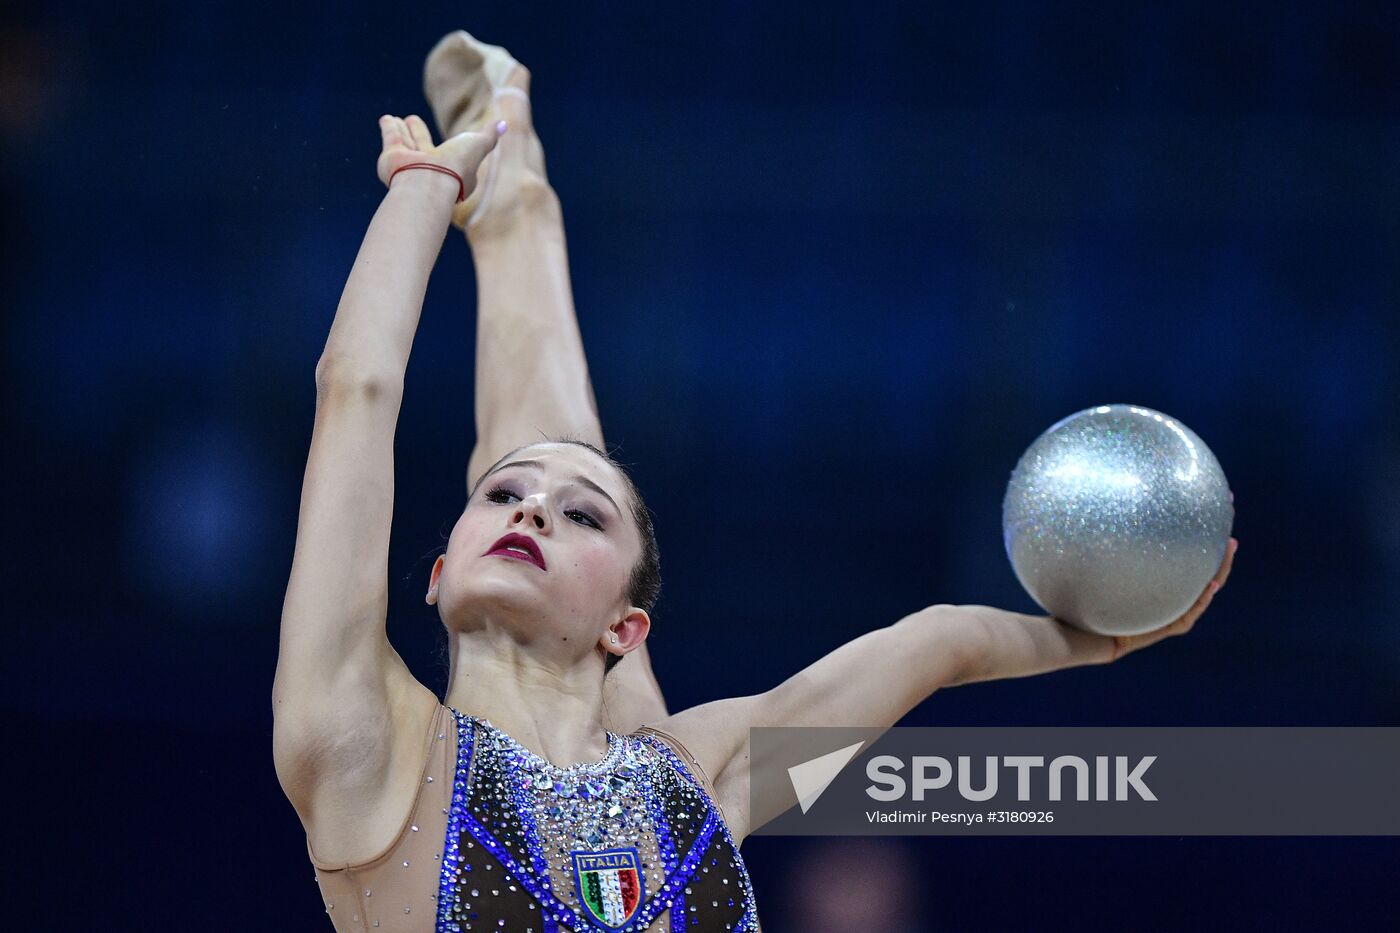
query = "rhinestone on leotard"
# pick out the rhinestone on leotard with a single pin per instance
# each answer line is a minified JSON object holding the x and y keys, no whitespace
{"x":639,"y":809}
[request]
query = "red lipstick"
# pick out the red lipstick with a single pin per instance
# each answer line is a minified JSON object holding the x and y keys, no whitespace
{"x":518,"y":547}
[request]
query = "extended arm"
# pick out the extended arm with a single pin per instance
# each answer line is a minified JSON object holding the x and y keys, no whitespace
{"x":876,"y":679}
{"x":374,"y":325}
{"x":341,"y":694}
{"x":337,"y":596}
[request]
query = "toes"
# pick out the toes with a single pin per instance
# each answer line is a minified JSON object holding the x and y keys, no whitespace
{"x":454,"y":50}
{"x":441,"y":48}
{"x":458,"y":78}
{"x":448,"y":66}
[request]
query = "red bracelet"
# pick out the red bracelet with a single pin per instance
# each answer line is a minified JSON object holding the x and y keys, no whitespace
{"x":461,"y":187}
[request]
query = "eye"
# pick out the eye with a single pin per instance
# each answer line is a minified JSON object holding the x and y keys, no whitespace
{"x":583,"y":518}
{"x":502,"y":495}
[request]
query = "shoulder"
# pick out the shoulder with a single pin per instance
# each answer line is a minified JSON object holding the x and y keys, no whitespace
{"x":711,"y":741}
{"x":711,"y":732}
{"x":677,"y":754}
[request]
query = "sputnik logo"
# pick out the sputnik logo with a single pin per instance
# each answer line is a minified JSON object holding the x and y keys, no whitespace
{"x":811,"y":778}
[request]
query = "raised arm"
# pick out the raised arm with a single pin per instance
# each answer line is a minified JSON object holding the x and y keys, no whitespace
{"x":532,"y":377}
{"x":876,"y":679}
{"x":340,"y":691}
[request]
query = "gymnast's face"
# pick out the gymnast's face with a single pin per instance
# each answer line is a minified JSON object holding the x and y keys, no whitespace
{"x":545,"y":546}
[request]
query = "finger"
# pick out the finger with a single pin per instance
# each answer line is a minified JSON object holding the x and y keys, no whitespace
{"x":422,"y":136}
{"x":1224,"y":572}
{"x":388,"y":132}
{"x":1183,"y":623}
{"x":1213,"y":587}
{"x":1197,"y":610}
{"x":1204,"y":600}
{"x":1199,"y":606}
{"x":1126,"y":644}
{"x":404,"y":134}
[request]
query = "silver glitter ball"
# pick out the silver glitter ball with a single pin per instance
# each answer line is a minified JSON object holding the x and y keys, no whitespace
{"x":1116,"y":518}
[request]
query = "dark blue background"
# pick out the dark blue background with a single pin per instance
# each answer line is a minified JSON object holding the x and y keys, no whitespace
{"x":836,"y":267}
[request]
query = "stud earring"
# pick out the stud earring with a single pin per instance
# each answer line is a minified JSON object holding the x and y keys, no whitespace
{"x":613,"y":638}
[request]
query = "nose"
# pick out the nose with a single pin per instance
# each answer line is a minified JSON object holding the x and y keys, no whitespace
{"x":532,"y":511}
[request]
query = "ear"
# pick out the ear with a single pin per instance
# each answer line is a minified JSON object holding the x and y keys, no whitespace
{"x":630,"y":632}
{"x":433,"y":580}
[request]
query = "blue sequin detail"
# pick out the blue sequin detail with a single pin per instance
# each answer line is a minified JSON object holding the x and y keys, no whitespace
{"x":554,"y":914}
{"x":748,"y":923}
{"x":447,"y":886}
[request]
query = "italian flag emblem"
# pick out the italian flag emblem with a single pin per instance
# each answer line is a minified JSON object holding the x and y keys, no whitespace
{"x":609,"y":884}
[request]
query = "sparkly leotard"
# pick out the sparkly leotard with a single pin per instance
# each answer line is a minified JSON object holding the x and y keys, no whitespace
{"x":500,"y":839}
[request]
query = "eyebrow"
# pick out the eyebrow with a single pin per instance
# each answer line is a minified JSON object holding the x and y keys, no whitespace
{"x":578,"y":478}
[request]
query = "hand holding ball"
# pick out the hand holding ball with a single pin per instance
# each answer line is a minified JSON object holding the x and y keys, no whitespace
{"x":1116,"y":518}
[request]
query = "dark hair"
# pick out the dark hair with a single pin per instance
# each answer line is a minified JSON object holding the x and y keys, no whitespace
{"x":644,"y":583}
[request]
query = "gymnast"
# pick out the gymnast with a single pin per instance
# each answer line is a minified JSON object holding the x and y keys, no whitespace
{"x":549,"y":789}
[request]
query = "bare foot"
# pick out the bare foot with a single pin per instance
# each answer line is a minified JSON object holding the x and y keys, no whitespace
{"x":469,"y":85}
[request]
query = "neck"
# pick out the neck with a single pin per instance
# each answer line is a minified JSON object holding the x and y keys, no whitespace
{"x":555,"y":709}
